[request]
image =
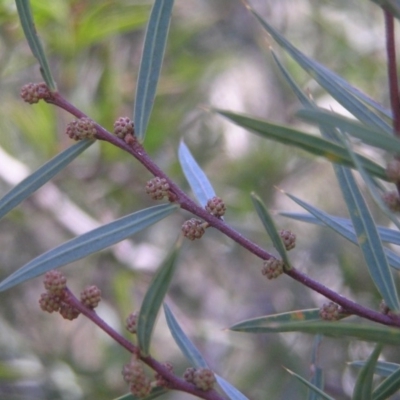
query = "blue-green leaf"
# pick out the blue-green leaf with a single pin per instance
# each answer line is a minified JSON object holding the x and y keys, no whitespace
{"x":382,"y":368}
{"x":28,"y":26}
{"x":34,"y":181}
{"x":314,"y":388}
{"x":269,"y":226}
{"x":229,"y":389}
{"x":339,"y":89}
{"x":88,"y":243}
{"x":363,"y":387}
{"x":310,"y":143}
{"x":317,"y":378}
{"x":188,"y":349}
{"x":368,"y":238}
{"x":340,"y":225}
{"x":388,"y":387}
{"x":197,"y":179}
{"x":372,"y":136}
{"x":153,"y":299}
{"x":150,"y":66}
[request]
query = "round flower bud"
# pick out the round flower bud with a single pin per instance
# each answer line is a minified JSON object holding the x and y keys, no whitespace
{"x":189,"y":374}
{"x":131,"y":322}
{"x":157,"y":188}
{"x":392,"y":200}
{"x":160,"y":380}
{"x":91,"y":296}
{"x":33,"y":92}
{"x":55,"y":282}
{"x":68,"y":312}
{"x":393,"y":171}
{"x":330,"y":312}
{"x":123,"y":126}
{"x":216,"y":206}
{"x":204,"y":379}
{"x":140,"y":388}
{"x":272,"y":268}
{"x":133,"y":371}
{"x":50,"y":302}
{"x":193,"y":229}
{"x":288,"y":239}
{"x":82,"y":128}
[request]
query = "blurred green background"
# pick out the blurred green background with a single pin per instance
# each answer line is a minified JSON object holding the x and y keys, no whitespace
{"x":217,"y":55}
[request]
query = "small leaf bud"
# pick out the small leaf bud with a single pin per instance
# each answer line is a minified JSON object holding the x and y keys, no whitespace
{"x":330,"y":312}
{"x":91,"y":296}
{"x":272,"y":268}
{"x":288,"y":239}
{"x":160,"y":380}
{"x":157,"y":188}
{"x":193,"y":229}
{"x":131,"y":322}
{"x":82,"y":128}
{"x":55,"y":282}
{"x":216,"y":206}
{"x":204,"y":379}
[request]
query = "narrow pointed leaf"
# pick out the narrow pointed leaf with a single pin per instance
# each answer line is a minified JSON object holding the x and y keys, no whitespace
{"x":150,"y":66}
{"x":88,"y":243}
{"x":370,"y":136}
{"x":368,"y":238}
{"x":342,"y":227}
{"x":34,"y":181}
{"x":312,"y":144}
{"x":28,"y":26}
{"x":229,"y":389}
{"x":382,"y":368}
{"x":155,"y":392}
{"x":188,"y":349}
{"x":197,"y":179}
{"x":153,"y":299}
{"x":270,"y":227}
{"x":388,"y":387}
{"x":312,"y":387}
{"x":317,"y":378}
{"x":363,"y":387}
{"x":339,"y":89}
{"x":369,"y":333}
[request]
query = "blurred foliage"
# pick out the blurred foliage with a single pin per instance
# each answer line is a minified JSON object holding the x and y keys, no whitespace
{"x":216,"y":55}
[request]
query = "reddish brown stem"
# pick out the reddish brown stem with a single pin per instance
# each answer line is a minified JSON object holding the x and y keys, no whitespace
{"x":392,"y":71}
{"x":175,"y":383}
{"x":137,"y":151}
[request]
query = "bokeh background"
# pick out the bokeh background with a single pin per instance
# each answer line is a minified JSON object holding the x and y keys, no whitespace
{"x":217,"y":55}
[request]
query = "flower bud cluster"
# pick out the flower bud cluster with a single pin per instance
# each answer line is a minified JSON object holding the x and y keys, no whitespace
{"x":392,"y":200}
{"x":202,"y":378}
{"x":216,"y":206}
{"x":330,"y":312}
{"x":82,"y":128}
{"x":288,"y":239}
{"x":33,"y":92}
{"x":193,"y":229}
{"x":157,"y":188}
{"x":133,"y":373}
{"x":91,"y":296}
{"x":54,"y":299}
{"x":272,"y":268}
{"x":123,"y":126}
{"x":131,"y":322}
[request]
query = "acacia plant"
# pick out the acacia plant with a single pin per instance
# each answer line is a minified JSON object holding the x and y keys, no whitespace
{"x":342,"y":142}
